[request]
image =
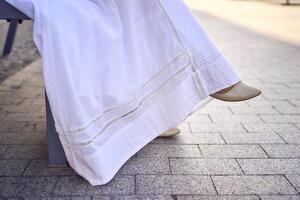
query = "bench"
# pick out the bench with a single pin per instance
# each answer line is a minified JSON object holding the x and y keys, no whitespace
{"x":56,"y":154}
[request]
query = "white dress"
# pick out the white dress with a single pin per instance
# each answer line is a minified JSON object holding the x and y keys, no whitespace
{"x":119,"y":73}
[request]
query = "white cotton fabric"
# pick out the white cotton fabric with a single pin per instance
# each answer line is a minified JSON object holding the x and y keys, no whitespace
{"x":118,"y":73}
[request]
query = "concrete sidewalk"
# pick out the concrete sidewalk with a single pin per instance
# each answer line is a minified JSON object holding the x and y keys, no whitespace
{"x":23,"y":52}
{"x":267,"y":17}
{"x":246,"y":150}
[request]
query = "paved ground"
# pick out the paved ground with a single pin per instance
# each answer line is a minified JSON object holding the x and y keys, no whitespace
{"x":267,"y":17}
{"x":23,"y":52}
{"x":248,"y":150}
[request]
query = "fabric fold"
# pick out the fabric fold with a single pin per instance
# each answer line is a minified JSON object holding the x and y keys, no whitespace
{"x":118,"y":73}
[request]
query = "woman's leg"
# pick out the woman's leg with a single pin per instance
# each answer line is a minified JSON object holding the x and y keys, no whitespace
{"x":217,"y":74}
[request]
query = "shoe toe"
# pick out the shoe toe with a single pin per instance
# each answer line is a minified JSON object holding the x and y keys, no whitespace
{"x":240,"y":92}
{"x":170,"y":132}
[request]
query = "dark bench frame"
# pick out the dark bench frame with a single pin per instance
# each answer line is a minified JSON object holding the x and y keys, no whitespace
{"x":56,"y":154}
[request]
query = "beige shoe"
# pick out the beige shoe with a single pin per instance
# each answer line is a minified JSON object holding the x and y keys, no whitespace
{"x":169,"y":133}
{"x":241,"y":91}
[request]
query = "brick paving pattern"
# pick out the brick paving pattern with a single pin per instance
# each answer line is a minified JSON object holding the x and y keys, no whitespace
{"x":230,"y":151}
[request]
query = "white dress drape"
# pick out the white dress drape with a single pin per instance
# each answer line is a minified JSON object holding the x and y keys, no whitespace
{"x":118,"y":73}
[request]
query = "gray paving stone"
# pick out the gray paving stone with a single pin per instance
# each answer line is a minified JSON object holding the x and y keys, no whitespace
{"x":62,"y":198}
{"x":251,"y":138}
{"x":2,"y":115}
{"x":270,"y":166}
{"x":203,"y":118}
{"x":265,"y":128}
{"x":268,"y":102}
{"x":40,"y":168}
{"x":215,"y":197}
{"x":3,"y":148}
{"x":289,"y":89}
{"x":137,"y":197}
{"x":158,"y":141}
{"x":280,"y":197}
{"x":22,"y":137}
{"x":286,"y":96}
{"x":5,"y":88}
{"x":282,"y":150}
{"x":169,"y":150}
{"x":232,"y":151}
{"x":12,"y":167}
{"x":25,"y":117}
{"x":101,"y":197}
{"x":289,"y":111}
{"x":292,"y":84}
{"x":267,"y":87}
{"x":11,"y":126}
{"x":34,"y":102}
{"x":174,"y":184}
{"x":27,"y":90}
{"x":295,"y":102}
{"x":272,"y":86}
{"x":75,"y":185}
{"x":146,"y":166}
{"x":204,"y":166}
{"x":217,"y":127}
{"x":295,"y":180}
{"x":27,"y":151}
{"x":279,"y":80}
{"x":196,"y":138}
{"x":10,"y":100}
{"x":252,"y":185}
{"x":21,"y":108}
{"x":26,"y":186}
{"x":184,"y":127}
{"x":254,"y":110}
{"x":218,"y":103}
{"x":290,"y":137}
{"x":282,"y":119}
{"x":35,"y":126}
{"x":213,"y":110}
{"x":249,"y":118}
